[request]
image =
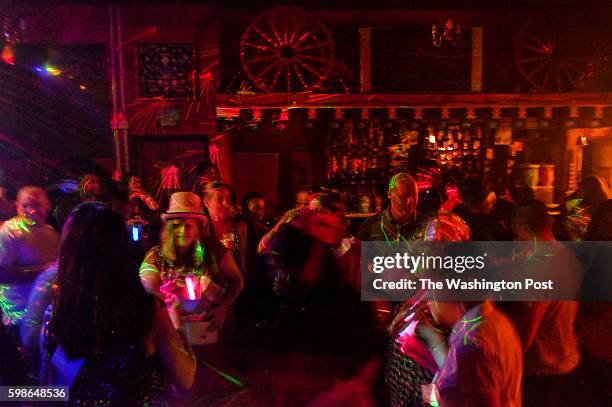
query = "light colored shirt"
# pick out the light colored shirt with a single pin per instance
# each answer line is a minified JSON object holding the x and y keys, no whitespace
{"x":41,"y":296}
{"x":27,"y":246}
{"x":26,"y":249}
{"x":546,"y":328}
{"x":484,"y":363}
{"x":549,"y":338}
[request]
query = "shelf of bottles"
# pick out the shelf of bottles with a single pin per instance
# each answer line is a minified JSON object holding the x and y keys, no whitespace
{"x":359,"y":162}
{"x":363,"y":154}
{"x":456,"y":145}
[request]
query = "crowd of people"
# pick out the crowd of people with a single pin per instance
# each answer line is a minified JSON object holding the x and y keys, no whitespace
{"x":109,"y":292}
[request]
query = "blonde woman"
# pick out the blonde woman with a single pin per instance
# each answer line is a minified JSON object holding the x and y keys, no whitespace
{"x":187,"y":252}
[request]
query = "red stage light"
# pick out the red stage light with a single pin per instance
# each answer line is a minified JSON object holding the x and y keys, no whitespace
{"x":8,"y":54}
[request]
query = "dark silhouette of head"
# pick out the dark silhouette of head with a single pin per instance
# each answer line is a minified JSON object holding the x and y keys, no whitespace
{"x":473,"y":191}
{"x":101,"y":305}
{"x":600,"y":227}
{"x":90,"y":187}
{"x":477,"y":195}
{"x":594,"y":190}
{"x":253,"y":204}
{"x":531,"y":220}
{"x":328,"y":201}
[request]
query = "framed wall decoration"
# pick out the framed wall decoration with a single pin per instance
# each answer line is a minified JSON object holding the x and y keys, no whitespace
{"x":166,"y":70}
{"x":404,"y":60}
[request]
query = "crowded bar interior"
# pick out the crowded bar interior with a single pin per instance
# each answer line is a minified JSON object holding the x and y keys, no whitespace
{"x":210,"y":203}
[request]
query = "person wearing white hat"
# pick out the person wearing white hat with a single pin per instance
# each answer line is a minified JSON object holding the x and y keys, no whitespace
{"x":191,"y":270}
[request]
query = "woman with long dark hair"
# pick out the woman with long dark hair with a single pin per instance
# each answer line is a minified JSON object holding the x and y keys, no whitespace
{"x":108,"y":339}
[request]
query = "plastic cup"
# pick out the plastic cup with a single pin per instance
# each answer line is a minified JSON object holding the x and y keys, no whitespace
{"x":190,"y":306}
{"x":198,"y":334}
{"x":228,"y":239}
{"x":213,"y":291}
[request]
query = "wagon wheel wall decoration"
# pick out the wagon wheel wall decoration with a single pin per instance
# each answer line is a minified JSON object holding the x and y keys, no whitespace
{"x":287,"y":49}
{"x":558,"y":54}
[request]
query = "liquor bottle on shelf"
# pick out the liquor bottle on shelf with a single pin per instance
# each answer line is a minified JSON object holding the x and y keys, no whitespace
{"x":372,"y":147}
{"x":479,"y":152}
{"x":365,"y":202}
{"x":360,"y":159}
{"x":335,"y":167}
{"x":363,"y":169}
{"x":354,"y":177}
{"x":372,"y":129}
{"x":395,"y":133}
{"x":348,"y":133}
{"x":372,"y":168}
{"x":429,"y":142}
{"x":476,"y":143}
{"x":466,"y":142}
{"x":380,"y":138}
{"x":361,"y":133}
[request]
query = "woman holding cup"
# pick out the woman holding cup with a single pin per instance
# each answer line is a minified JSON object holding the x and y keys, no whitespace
{"x":196,"y":276}
{"x":224,"y":224}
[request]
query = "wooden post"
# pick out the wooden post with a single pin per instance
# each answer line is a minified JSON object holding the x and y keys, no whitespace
{"x":476,"y":74}
{"x":365,"y":56}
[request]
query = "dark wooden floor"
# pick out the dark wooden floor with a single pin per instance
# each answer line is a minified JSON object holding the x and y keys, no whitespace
{"x":268,"y":376}
{"x":272,"y":377}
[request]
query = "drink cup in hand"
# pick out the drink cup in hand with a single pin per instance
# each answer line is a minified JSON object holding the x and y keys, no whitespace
{"x":204,"y":283}
{"x":211,"y":291}
{"x":191,"y":295}
{"x":198,"y":333}
{"x":228,"y":240}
